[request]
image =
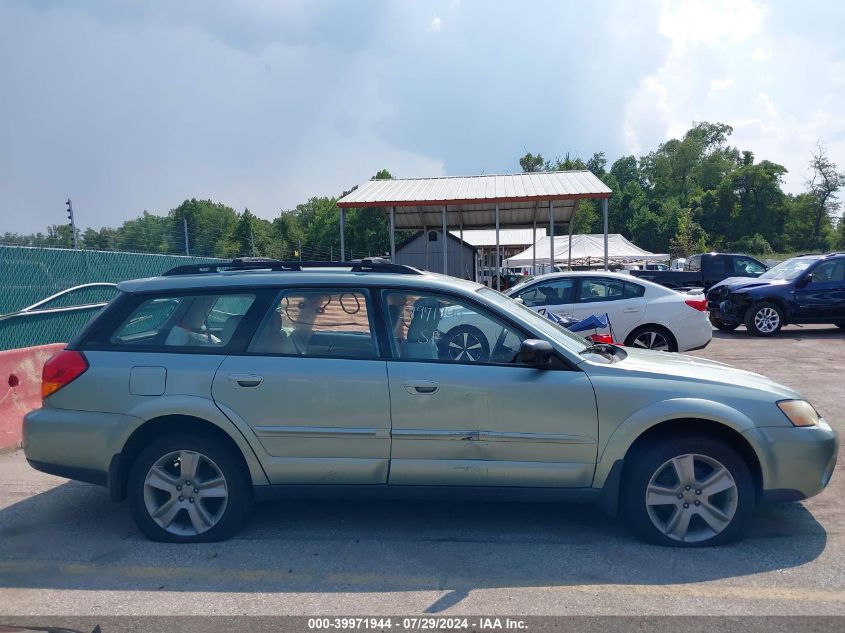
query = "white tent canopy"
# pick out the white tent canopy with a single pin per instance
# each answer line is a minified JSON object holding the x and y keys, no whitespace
{"x":585,"y":248}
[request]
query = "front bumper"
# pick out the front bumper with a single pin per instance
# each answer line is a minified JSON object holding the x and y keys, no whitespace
{"x":796,"y":462}
{"x":726,"y":307}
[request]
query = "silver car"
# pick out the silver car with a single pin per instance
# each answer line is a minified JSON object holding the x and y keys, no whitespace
{"x":195,"y":393}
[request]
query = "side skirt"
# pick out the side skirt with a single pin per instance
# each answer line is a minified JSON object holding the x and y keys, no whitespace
{"x":386,"y":491}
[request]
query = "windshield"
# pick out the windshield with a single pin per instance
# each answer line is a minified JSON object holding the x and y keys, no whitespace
{"x":568,"y":339}
{"x":790,"y":269}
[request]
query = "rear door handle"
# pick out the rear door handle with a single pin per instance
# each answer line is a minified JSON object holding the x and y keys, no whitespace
{"x":421,"y":387}
{"x":245,"y":381}
{"x":630,"y":310}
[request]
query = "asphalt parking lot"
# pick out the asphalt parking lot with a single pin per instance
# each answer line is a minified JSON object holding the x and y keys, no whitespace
{"x":66,"y":550}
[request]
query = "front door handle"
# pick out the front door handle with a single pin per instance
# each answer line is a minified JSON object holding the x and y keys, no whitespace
{"x":421,"y":387}
{"x":630,"y":310}
{"x":245,"y":381}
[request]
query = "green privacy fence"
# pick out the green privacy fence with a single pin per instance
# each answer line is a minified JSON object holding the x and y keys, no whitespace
{"x":29,"y":275}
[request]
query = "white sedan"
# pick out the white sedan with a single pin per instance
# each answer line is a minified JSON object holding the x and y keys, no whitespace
{"x":641,"y":313}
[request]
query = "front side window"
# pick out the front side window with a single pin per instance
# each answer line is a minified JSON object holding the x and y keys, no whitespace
{"x":596,"y":289}
{"x":744,"y":266}
{"x":184,"y":321}
{"x":317,"y":322}
{"x":549,"y":293}
{"x":432,"y":327}
{"x":833,"y":271}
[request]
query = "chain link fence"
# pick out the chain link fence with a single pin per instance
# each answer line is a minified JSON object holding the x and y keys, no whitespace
{"x":29,"y":275}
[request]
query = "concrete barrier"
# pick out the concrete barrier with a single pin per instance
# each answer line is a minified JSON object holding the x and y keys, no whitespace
{"x":20,"y":387}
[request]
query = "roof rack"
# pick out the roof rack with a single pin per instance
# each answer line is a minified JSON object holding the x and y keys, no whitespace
{"x":369,"y":264}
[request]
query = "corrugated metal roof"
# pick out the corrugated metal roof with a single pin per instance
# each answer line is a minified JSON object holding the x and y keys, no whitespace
{"x":552,"y":185}
{"x":471,"y":200}
{"x":507,"y":237}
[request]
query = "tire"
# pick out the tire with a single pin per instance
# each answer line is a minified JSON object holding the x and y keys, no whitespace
{"x":465,"y":343}
{"x":653,"y":337}
{"x":213,"y":515}
{"x":722,"y":325}
{"x":764,"y":319}
{"x":712,"y":519}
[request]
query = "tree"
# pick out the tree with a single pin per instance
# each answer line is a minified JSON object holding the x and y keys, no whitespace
{"x":823,"y":187}
{"x":531,"y":163}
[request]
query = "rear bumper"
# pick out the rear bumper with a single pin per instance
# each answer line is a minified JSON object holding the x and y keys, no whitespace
{"x":796,"y":463}
{"x":87,"y":475}
{"x":75,"y":444}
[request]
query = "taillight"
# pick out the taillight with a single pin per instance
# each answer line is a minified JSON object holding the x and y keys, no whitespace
{"x":698,"y":304}
{"x":62,"y":369}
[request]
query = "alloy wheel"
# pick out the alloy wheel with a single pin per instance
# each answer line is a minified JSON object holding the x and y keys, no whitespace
{"x":767,"y":320}
{"x":691,"y":498}
{"x":652,"y":340}
{"x":185,"y":493}
{"x":465,"y":346}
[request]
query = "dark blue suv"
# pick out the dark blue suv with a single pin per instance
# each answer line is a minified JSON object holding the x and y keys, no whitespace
{"x":805,"y":289}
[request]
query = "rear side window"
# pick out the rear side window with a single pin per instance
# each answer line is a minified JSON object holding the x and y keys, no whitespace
{"x":183,"y":321}
{"x":718,"y":265}
{"x":320,"y":322}
{"x":632,"y":291}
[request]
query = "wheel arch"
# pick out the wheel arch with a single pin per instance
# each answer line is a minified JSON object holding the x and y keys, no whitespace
{"x":153,"y":428}
{"x":651,"y":324}
{"x":780,"y":302}
{"x":671,"y":417}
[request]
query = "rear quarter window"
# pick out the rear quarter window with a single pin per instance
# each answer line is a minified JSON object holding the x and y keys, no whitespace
{"x":176,"y":322}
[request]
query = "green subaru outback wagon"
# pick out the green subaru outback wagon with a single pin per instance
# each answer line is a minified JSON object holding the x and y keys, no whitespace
{"x":198,"y":392}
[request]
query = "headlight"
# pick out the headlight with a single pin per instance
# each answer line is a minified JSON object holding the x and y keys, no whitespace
{"x":799,"y":412}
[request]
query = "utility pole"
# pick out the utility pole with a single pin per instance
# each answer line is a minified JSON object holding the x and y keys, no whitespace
{"x":252,"y":239}
{"x":300,"y":250}
{"x":72,"y":223}
{"x":185,"y":228}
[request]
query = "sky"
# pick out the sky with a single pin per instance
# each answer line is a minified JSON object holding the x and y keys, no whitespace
{"x":126,"y":106}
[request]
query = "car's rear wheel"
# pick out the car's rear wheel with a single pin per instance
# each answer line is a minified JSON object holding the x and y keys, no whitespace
{"x":187,"y":489}
{"x":652,"y":337}
{"x":764,"y":319}
{"x":724,"y":326}
{"x":687,"y":492}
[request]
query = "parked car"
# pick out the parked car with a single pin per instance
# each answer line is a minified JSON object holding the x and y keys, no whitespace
{"x":320,"y":376}
{"x":703,"y":271}
{"x":642,"y":313}
{"x":805,"y":289}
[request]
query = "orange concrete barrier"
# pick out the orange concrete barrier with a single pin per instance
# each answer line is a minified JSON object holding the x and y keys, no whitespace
{"x":20,"y":387}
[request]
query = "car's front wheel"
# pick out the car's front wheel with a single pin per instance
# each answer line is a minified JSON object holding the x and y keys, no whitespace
{"x":687,"y":492}
{"x":764,"y":319}
{"x":188,"y":489}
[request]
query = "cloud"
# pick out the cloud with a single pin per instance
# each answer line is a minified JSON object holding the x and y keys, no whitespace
{"x":715,"y":71}
{"x":132,"y":106}
{"x":720,"y":85}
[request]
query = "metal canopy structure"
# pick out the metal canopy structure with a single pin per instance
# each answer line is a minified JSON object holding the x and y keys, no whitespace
{"x":477,"y":202}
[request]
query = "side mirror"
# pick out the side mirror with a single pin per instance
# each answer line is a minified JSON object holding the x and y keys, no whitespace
{"x":519,"y":300}
{"x":804,"y":281}
{"x":535,"y":352}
